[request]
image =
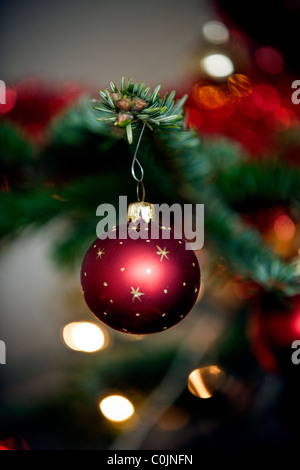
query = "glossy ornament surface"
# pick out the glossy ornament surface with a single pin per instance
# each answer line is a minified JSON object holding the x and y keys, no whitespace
{"x":140,"y":284}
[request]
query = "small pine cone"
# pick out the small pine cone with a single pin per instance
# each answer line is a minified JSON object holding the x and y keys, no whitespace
{"x":123,"y":117}
{"x":124,"y":104}
{"x":139,"y":104}
{"x":115,"y":96}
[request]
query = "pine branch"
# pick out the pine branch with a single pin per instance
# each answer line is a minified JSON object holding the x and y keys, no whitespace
{"x":77,"y":172}
{"x":17,"y":157}
{"x":133,"y":104}
{"x":266,"y":182}
{"x":236,"y":245}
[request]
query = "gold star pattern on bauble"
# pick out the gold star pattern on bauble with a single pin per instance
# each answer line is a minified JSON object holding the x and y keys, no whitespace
{"x":136,"y":294}
{"x":162,"y":253}
{"x":100,"y":253}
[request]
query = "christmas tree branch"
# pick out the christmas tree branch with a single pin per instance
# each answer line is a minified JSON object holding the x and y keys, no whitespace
{"x":76,"y":172}
{"x":265,"y":183}
{"x":237,"y":245}
{"x":133,"y":104}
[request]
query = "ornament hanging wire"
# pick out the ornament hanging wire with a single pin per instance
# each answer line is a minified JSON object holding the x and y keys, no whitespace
{"x":135,"y":161}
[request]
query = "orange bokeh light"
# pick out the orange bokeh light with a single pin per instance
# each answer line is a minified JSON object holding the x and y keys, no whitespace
{"x":239,"y":85}
{"x":209,"y":96}
{"x":284,"y":227}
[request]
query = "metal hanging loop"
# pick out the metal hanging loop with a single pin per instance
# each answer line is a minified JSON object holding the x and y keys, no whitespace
{"x":135,"y":161}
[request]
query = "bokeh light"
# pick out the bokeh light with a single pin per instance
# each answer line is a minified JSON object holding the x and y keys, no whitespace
{"x":217,"y":65}
{"x":84,"y":336}
{"x":296,"y":323}
{"x":116,"y":408}
{"x":205,"y":381}
{"x":239,"y":85}
{"x":209,"y":96}
{"x":284,"y":228}
{"x":269,"y":60}
{"x":249,"y":109}
{"x":266,"y":97}
{"x":193,"y":117}
{"x":262,"y":102}
{"x":281,"y":119}
{"x":215,"y":32}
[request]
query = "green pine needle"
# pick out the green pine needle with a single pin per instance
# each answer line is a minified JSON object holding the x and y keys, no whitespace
{"x":129,"y":133}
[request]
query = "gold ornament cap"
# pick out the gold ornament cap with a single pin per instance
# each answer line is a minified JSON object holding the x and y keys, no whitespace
{"x":144,"y":210}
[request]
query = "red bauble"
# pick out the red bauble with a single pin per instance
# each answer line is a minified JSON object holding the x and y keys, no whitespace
{"x":274,"y":325}
{"x":141,"y":285}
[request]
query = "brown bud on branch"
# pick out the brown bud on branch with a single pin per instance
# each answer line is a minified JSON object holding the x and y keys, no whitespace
{"x":124,"y":104}
{"x":115,"y":96}
{"x":123,"y":117}
{"x":139,"y":104}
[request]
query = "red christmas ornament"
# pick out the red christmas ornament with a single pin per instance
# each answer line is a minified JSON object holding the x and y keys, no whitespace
{"x":143,"y":285}
{"x":273,"y":327}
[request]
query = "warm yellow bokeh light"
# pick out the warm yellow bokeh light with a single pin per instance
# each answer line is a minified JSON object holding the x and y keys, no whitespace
{"x":83,"y":336}
{"x":205,"y":381}
{"x":116,"y":408}
{"x":217,"y":65}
